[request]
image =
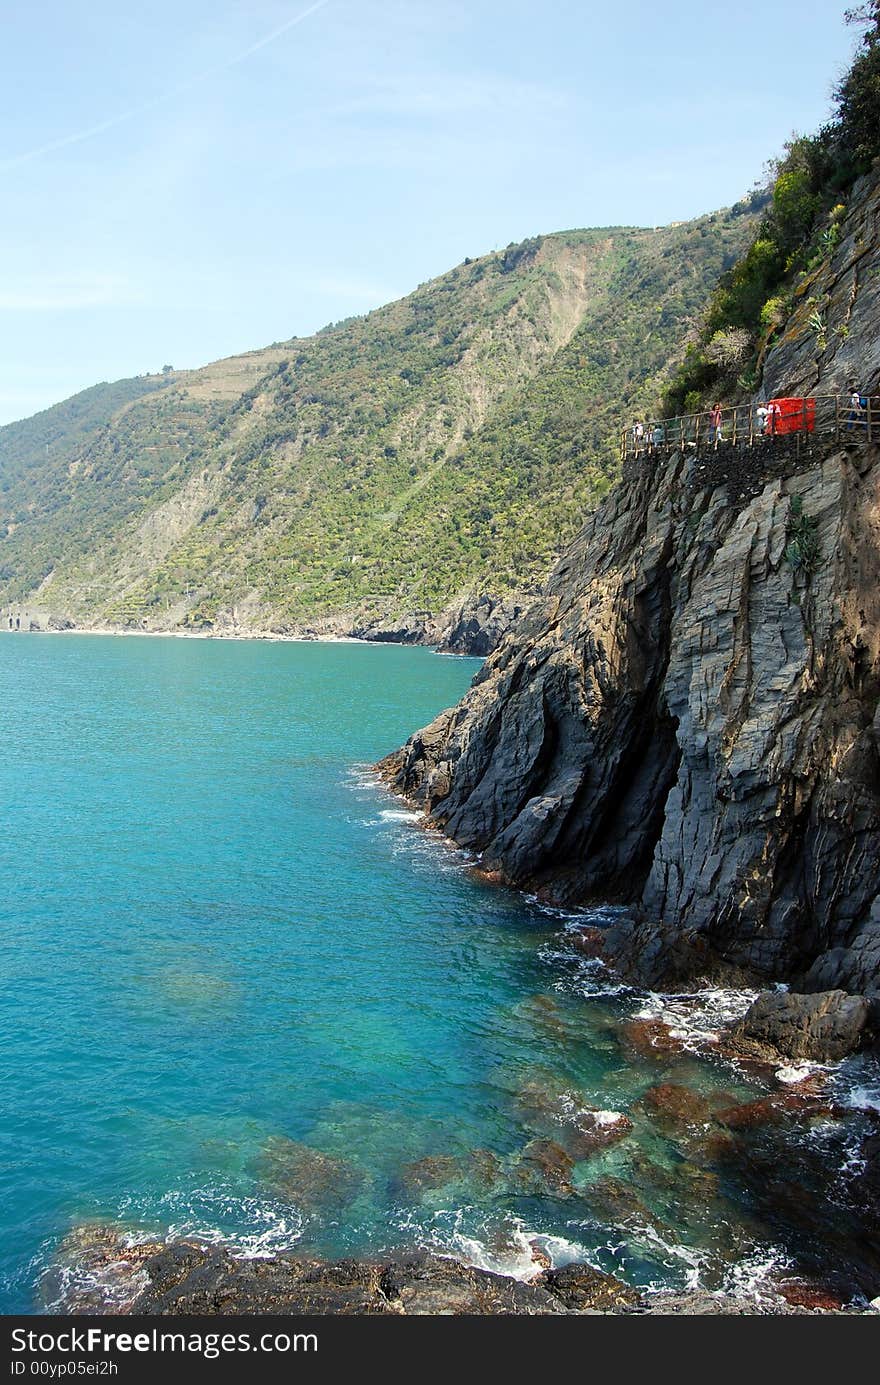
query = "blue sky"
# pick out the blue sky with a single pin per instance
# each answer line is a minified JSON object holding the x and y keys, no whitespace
{"x":182,"y":181}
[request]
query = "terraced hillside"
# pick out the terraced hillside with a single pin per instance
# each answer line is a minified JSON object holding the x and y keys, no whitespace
{"x":450,"y":441}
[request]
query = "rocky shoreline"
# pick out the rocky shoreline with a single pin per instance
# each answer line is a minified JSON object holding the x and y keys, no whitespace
{"x":755,"y":1136}
{"x":685,"y":725}
{"x":684,"y":722}
{"x":101,"y":1270}
{"x":472,"y":627}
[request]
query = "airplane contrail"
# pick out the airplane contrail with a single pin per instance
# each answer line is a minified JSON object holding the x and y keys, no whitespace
{"x":121,"y":116}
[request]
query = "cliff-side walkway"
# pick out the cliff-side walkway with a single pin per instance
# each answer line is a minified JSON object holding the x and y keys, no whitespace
{"x":833,"y":416}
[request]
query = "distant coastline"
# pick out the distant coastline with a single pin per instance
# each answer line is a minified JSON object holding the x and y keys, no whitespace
{"x":240,"y":636}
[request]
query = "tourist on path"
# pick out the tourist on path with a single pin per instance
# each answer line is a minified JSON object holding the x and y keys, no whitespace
{"x":856,"y":410}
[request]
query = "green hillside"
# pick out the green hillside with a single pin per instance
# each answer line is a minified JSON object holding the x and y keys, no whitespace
{"x":449,"y":440}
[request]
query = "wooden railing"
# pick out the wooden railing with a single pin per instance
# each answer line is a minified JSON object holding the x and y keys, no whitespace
{"x":753,"y":425}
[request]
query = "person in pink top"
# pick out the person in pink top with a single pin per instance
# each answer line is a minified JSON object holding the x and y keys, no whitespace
{"x":715,"y":424}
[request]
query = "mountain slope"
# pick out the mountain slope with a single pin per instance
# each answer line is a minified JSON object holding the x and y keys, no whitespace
{"x":71,"y":473}
{"x":448,"y":441}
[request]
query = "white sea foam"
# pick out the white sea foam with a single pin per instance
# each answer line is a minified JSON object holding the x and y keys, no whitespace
{"x":607,"y":1117}
{"x":433,"y":849}
{"x":856,"y":1082}
{"x":696,"y":1018}
{"x":587,"y":977}
{"x":518,"y":1260}
{"x":507,"y":1247}
{"x":572,"y":1110}
{"x":113,"y":1284}
{"x":690,"y":1261}
{"x":510,"y":1249}
{"x":593,"y":916}
{"x":442,"y":853}
{"x":794,"y":1073}
{"x":254,"y":1228}
{"x":751,"y":1278}
{"x":755,"y":1276}
{"x":863,"y":1099}
{"x":362,"y":778}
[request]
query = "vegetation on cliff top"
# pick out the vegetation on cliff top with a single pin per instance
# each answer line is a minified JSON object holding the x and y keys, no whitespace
{"x":803,"y":211}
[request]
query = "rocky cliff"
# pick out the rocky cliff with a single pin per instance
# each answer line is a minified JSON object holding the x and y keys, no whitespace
{"x":686,"y":720}
{"x":479,"y":624}
{"x":832,"y":341}
{"x":474,"y":626}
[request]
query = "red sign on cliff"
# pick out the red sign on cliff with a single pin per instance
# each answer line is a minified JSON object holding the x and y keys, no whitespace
{"x":791,"y":415}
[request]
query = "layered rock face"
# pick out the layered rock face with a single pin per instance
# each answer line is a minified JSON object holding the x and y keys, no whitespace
{"x":845,"y":293}
{"x":474,"y":626}
{"x":478,"y":625}
{"x":687,"y":721}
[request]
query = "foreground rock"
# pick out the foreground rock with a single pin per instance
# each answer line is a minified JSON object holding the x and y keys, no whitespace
{"x":187,"y":1279}
{"x":101,"y":1273}
{"x":581,"y":1286}
{"x":821,"y":1028}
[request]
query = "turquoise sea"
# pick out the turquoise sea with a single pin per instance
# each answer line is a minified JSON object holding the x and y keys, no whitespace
{"x":246,"y":996}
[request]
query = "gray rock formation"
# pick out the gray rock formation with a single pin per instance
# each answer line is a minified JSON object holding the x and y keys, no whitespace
{"x":99,"y":1271}
{"x":474,"y":626}
{"x":416,"y":628}
{"x":821,"y":1027}
{"x":845,"y":293}
{"x":478,"y":625}
{"x":686,"y":719}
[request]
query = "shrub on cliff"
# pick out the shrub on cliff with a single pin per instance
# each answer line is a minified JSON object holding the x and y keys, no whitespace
{"x":800,"y":227}
{"x":858,"y":98}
